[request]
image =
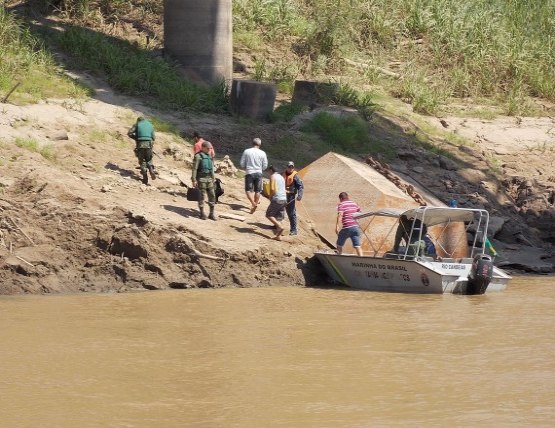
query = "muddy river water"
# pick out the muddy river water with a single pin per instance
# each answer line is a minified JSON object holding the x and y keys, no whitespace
{"x":291,"y":357}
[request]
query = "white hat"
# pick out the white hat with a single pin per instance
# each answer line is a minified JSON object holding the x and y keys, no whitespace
{"x":290,"y":163}
{"x":257,"y":141}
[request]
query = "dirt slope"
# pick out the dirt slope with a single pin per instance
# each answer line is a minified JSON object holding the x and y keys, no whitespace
{"x":77,"y":218}
{"x":83,"y":221}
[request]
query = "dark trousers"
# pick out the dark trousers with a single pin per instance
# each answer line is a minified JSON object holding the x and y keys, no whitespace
{"x":144,"y":155}
{"x":291,"y":211}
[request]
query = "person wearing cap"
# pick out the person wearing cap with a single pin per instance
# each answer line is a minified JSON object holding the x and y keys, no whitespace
{"x":143,"y":134}
{"x":278,"y":200}
{"x":197,"y":147}
{"x":254,"y":162}
{"x":294,"y":189}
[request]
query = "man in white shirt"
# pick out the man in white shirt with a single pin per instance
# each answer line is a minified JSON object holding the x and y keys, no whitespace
{"x":254,"y":162}
{"x":278,"y":200}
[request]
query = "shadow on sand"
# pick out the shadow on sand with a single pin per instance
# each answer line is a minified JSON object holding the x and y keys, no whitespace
{"x":122,"y":171}
{"x":185,"y":212}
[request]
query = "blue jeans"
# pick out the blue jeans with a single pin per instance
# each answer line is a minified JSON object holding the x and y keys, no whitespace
{"x":291,"y":211}
{"x":349,"y":232}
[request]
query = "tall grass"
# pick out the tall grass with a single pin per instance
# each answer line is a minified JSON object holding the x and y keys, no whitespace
{"x":25,"y":60}
{"x":350,"y":97}
{"x":46,"y":150}
{"x":476,"y":48}
{"x":135,"y":71}
{"x":109,"y":8}
{"x":346,"y":134}
{"x":500,"y":49}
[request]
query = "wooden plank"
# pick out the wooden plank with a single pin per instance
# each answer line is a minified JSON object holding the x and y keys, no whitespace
{"x":232,"y":216}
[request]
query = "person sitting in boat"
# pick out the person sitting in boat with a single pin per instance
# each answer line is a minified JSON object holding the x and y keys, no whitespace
{"x":404,"y":233}
{"x":430,"y":249}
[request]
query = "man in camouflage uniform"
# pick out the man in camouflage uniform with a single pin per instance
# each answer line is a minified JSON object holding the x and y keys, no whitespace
{"x":143,"y":134}
{"x":203,"y":178}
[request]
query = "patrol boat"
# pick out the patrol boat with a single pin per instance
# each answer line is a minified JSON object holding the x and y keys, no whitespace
{"x":438,"y":256}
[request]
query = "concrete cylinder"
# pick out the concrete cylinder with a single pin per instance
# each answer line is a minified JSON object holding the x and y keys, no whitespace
{"x":253,"y":99}
{"x":311,"y":93}
{"x":198,"y":34}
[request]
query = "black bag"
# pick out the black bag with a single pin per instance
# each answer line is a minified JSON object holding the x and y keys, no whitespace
{"x":218,"y":188}
{"x":193,"y":194}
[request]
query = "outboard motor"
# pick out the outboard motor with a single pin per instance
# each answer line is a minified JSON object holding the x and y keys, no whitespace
{"x":480,"y":274}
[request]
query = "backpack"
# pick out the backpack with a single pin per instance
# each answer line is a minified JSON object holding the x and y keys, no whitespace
{"x":205,"y":165}
{"x":218,"y":188}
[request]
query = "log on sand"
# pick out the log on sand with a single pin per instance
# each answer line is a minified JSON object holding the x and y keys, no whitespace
{"x":232,"y":216}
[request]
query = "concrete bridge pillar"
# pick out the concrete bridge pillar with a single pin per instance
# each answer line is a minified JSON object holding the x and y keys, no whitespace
{"x":198,"y":34}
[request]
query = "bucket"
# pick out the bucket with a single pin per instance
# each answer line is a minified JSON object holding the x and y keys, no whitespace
{"x":266,"y":189}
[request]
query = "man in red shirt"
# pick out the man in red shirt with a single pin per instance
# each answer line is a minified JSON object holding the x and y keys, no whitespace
{"x":198,"y":145}
{"x":349,"y":227}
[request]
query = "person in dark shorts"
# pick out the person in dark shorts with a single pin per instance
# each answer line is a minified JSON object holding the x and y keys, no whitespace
{"x":278,"y":199}
{"x":254,"y":161}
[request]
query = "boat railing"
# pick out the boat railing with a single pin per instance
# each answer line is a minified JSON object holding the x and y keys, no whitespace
{"x":415,"y":244}
{"x":481,"y":233}
{"x":376,"y":249}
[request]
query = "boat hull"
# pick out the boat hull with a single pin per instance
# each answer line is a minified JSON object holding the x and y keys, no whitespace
{"x":404,"y":276}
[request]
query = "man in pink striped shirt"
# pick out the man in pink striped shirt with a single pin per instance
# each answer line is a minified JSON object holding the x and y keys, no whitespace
{"x":349,"y":227}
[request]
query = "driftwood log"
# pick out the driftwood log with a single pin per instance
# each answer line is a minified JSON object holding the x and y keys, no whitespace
{"x":373,"y":67}
{"x":24,"y":261}
{"x":232,"y":216}
{"x":19,"y":228}
{"x":5,"y":99}
{"x":207,"y":256}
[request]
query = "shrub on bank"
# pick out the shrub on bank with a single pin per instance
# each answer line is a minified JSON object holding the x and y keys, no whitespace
{"x":346,"y":134}
{"x":477,"y":48}
{"x":26,"y":61}
{"x":438,"y":49}
{"x":135,"y":71}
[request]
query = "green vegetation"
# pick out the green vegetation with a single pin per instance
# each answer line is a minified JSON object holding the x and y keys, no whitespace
{"x":304,"y":147}
{"x":25,"y":61}
{"x":495,"y":165}
{"x":324,"y":133}
{"x":347,"y":134}
{"x":426,"y":52}
{"x":163,"y":126}
{"x":283,"y":148}
{"x":500,"y":49}
{"x":286,"y":112}
{"x":346,"y":96}
{"x":135,"y":71}
{"x":362,"y":101}
{"x":27,"y":143}
{"x":46,"y":151}
{"x":98,"y":135}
